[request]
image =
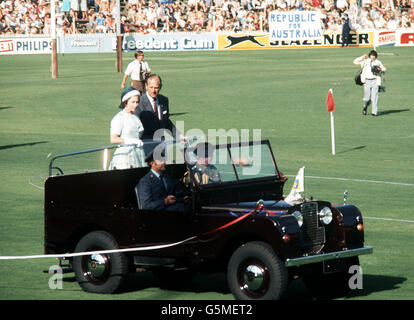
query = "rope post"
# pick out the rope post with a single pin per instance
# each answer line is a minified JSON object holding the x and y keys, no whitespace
{"x":53,"y":36}
{"x":118,"y":37}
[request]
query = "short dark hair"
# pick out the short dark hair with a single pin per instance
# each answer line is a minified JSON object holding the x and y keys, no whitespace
{"x":138,"y":53}
{"x":373,"y":53}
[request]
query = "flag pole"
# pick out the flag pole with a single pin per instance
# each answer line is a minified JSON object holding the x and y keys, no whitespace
{"x":332,"y":133}
{"x":330,"y":103}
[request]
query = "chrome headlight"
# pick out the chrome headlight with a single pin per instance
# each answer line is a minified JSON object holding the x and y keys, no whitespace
{"x":325,"y":215}
{"x":299,"y":217}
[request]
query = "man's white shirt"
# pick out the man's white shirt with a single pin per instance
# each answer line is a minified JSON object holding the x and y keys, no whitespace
{"x":151,"y":100}
{"x":366,"y":65}
{"x":133,"y":69}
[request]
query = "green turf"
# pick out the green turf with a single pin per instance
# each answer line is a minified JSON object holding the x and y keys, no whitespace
{"x":281,"y":92}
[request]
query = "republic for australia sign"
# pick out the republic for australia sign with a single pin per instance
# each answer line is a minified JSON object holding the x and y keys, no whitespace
{"x":294,"y":25}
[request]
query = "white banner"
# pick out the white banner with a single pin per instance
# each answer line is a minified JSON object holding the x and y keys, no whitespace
{"x":295,"y":25}
{"x":20,"y":45}
{"x":398,"y":38}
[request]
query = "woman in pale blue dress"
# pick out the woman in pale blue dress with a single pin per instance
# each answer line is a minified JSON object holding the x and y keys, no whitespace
{"x":126,"y":129}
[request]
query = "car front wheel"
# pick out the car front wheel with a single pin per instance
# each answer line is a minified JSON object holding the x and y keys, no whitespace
{"x":255,"y":272}
{"x":100,"y":273}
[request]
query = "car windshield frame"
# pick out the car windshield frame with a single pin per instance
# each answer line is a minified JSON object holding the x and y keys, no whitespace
{"x":276,"y":174}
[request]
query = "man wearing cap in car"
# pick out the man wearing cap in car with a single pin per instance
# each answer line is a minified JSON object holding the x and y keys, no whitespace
{"x":158,"y":191}
{"x":202,"y":170}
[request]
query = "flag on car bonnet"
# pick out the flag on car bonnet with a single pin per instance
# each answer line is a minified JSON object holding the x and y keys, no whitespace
{"x":295,"y":195}
{"x":330,"y":103}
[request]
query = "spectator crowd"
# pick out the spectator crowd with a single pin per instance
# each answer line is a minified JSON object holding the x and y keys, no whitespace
{"x":153,"y":16}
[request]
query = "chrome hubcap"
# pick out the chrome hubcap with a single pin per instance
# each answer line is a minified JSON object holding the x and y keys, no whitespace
{"x":254,"y":277}
{"x":97,"y":265}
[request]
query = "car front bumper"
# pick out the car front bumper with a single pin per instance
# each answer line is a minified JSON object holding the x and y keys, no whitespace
{"x":295,"y":262}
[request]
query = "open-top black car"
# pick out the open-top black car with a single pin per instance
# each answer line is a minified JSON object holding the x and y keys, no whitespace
{"x":239,"y":225}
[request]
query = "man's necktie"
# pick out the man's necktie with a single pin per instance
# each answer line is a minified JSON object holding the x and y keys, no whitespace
{"x":154,"y":103}
{"x":162,"y":178}
{"x":140,"y":71}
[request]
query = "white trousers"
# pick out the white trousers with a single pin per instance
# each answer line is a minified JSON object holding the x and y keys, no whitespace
{"x":371,"y":94}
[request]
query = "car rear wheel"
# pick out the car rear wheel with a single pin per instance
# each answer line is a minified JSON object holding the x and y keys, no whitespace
{"x":255,"y":272}
{"x":100,"y":273}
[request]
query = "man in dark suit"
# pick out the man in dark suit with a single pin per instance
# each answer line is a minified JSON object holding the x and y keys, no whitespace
{"x":346,"y":28}
{"x":153,"y":110}
{"x":158,"y":191}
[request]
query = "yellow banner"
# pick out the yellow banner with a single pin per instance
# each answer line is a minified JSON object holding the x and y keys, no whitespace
{"x":260,"y":41}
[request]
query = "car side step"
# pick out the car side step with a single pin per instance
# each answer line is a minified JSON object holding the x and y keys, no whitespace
{"x":154,"y":261}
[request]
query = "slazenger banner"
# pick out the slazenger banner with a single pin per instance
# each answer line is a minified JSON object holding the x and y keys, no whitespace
{"x":295,"y":25}
{"x":263,"y":42}
{"x":25,"y":45}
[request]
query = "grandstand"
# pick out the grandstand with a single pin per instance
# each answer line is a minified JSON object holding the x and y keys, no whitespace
{"x":29,"y":17}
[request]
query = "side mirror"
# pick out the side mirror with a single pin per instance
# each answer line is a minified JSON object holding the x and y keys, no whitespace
{"x":346,"y":195}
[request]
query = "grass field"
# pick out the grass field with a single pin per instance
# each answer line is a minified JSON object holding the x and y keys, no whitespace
{"x":282,"y":92}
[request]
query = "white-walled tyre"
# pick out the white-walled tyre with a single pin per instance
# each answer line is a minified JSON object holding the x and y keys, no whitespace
{"x":255,"y":272}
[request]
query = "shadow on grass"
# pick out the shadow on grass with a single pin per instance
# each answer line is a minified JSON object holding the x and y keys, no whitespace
{"x":377,"y":283}
{"x":384,"y":113}
{"x":144,"y":280}
{"x":4,"y":108}
{"x":371,"y":284}
{"x":202,"y":282}
{"x":351,"y":149}
{"x":10,"y":146}
{"x":177,"y":114}
{"x":216,"y":282}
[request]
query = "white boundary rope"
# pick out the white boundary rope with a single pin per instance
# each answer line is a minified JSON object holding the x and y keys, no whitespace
{"x":359,"y":180}
{"x":389,"y":219}
{"x":369,"y":181}
{"x":78,"y":254}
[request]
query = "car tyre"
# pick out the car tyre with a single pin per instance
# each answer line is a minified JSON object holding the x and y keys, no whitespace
{"x":255,"y":272}
{"x":100,"y":273}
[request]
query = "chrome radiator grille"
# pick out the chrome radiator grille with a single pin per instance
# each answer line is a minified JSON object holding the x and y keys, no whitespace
{"x":311,"y":233}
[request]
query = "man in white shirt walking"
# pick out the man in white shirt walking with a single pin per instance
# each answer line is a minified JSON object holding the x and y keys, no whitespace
{"x":370,"y":77}
{"x":138,"y":70}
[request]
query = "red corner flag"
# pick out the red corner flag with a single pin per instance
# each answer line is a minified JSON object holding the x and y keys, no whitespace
{"x":330,"y":103}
